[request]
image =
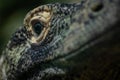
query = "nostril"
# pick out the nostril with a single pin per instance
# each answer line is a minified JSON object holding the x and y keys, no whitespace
{"x":97,"y":7}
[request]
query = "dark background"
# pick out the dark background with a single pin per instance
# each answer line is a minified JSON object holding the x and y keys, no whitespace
{"x":12,"y":13}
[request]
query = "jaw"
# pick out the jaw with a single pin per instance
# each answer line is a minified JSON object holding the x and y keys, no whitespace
{"x":96,"y":55}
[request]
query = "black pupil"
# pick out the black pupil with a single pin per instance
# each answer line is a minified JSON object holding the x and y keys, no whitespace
{"x":37,"y":27}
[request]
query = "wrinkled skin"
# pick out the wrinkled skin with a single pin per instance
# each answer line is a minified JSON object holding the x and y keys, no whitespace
{"x":77,"y":41}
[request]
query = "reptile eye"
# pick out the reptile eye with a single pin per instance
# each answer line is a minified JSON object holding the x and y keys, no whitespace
{"x":37,"y":27}
{"x":97,"y":7}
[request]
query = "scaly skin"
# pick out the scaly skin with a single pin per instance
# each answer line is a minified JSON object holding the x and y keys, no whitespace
{"x":51,"y":42}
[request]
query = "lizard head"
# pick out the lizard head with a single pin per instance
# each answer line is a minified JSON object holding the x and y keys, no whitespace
{"x":43,"y":29}
{"x":43,"y":36}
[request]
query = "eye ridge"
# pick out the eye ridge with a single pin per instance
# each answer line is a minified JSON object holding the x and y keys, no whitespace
{"x":37,"y":27}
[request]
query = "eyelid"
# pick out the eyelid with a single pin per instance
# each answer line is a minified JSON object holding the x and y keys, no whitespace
{"x":39,"y":18}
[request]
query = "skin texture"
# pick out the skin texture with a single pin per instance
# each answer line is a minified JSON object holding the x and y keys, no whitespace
{"x":65,"y":41}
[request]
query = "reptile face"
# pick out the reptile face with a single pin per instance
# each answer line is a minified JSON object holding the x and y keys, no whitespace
{"x":44,"y":29}
{"x":53,"y":37}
